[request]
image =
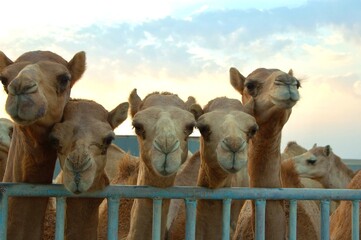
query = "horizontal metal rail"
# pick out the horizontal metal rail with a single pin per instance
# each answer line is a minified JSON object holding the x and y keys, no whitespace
{"x":114,"y":193}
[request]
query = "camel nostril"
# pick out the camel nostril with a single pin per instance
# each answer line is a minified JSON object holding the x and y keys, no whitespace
{"x":166,"y":148}
{"x":233,"y":144}
{"x":17,"y":89}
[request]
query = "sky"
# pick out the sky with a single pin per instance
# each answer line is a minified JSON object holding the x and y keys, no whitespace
{"x":187,"y":47}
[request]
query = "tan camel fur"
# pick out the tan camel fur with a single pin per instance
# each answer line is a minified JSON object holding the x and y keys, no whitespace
{"x":324,"y":166}
{"x":82,"y":140}
{"x":6,"y":130}
{"x":226,"y":130}
{"x":291,"y":150}
{"x":114,"y":155}
{"x":38,"y":85}
{"x":162,"y":122}
{"x":341,"y":219}
{"x":268,"y":95}
{"x":308,"y":212}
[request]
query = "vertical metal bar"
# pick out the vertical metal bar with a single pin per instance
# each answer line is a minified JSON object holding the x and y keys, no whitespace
{"x":157,"y":217}
{"x":113,"y":217}
{"x":293,"y":220}
{"x":3,"y":212}
{"x":355,"y":219}
{"x":226,"y":218}
{"x":60,"y":218}
{"x":260,"y":219}
{"x":191,"y":207}
{"x":325,"y":219}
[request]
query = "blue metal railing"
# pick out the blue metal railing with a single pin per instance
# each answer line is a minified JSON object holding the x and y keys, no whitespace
{"x":190,"y":194}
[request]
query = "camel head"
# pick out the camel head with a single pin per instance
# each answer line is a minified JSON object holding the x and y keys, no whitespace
{"x":82,"y":140}
{"x":266,"y":92}
{"x":315,"y":163}
{"x":6,"y":130}
{"x":38,"y":85}
{"x":162,"y":122}
{"x":225,"y":130}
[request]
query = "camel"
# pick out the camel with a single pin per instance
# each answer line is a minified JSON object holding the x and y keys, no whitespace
{"x":225,"y":131}
{"x":268,"y":95}
{"x":6,"y":130}
{"x":292,"y":149}
{"x":38,"y":85}
{"x":162,"y":123}
{"x":341,"y":219}
{"x":82,"y":140}
{"x":324,"y":166}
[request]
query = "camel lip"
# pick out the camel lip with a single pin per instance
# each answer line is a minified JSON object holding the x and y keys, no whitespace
{"x":284,"y":103}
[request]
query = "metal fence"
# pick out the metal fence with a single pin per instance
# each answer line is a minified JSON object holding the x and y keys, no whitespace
{"x":190,"y":194}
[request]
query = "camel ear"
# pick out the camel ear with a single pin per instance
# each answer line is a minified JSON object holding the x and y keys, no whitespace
{"x":4,"y":61}
{"x":77,"y":67}
{"x":197,"y":110}
{"x":134,"y":101}
{"x":249,"y":107}
{"x":190,"y":101}
{"x":327,"y":150}
{"x":236,"y":79}
{"x":290,"y":72}
{"x":118,"y":115}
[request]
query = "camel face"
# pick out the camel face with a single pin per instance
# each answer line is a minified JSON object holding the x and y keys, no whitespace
{"x":226,"y":134}
{"x":38,"y":85}
{"x":315,"y":163}
{"x":265,"y":91}
{"x":162,"y":134}
{"x":162,"y":123}
{"x":82,"y":140}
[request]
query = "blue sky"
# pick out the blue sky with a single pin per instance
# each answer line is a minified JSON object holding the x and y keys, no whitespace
{"x":187,"y":47}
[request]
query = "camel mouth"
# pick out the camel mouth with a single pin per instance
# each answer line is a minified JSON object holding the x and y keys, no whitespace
{"x":165,"y":173}
{"x":233,"y":170}
{"x":284,"y":103}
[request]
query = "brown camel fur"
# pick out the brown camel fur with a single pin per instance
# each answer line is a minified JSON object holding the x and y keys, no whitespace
{"x":162,"y":122}
{"x":6,"y":130}
{"x":38,"y":85}
{"x":82,"y":140}
{"x":269,"y":95}
{"x":341,"y":219}
{"x":226,"y":130}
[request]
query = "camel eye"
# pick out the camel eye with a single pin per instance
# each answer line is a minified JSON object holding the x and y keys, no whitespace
{"x":4,"y":81}
{"x":188,"y":129}
{"x":108,"y":140}
{"x":298,"y":84}
{"x":311,"y":161}
{"x":11,"y":130}
{"x":252,"y":131}
{"x":63,"y":81}
{"x":251,"y":86}
{"x":54,"y":141}
{"x":139,"y":129}
{"x":205,"y":131}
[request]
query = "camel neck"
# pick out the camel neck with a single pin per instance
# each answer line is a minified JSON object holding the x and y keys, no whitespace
{"x":30,"y":149}
{"x":141,"y":219}
{"x":212,"y":177}
{"x":264,"y":160}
